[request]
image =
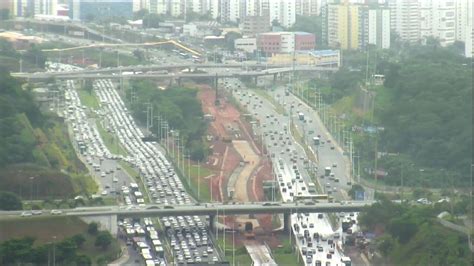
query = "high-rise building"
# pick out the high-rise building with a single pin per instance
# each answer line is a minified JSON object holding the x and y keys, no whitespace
{"x":157,"y":6}
{"x":405,"y":19}
{"x":280,"y":11}
{"x":175,"y":8}
{"x":214,"y":8}
{"x":23,"y":8}
{"x":253,"y":25}
{"x":45,"y":7}
{"x":464,"y":9}
{"x":342,"y":23}
{"x":90,"y":9}
{"x":374,"y":27}
{"x":230,"y":10}
{"x":469,"y":36}
{"x":306,"y":7}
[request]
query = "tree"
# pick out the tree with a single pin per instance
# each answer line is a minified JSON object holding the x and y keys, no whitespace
{"x":140,"y":14}
{"x":152,"y":20}
{"x":139,"y":54}
{"x":354,"y":188}
{"x":311,"y":24}
{"x":386,"y":244}
{"x":230,"y":38}
{"x":35,"y":56}
{"x":10,"y":201}
{"x":83,"y":260}
{"x":79,"y":239}
{"x":103,"y":240}
{"x":93,"y":228}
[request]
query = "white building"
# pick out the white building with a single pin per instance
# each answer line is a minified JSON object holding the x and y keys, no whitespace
{"x":214,"y":8}
{"x":230,"y":10}
{"x":175,"y":8}
{"x":190,"y":30}
{"x":282,"y":11}
{"x":405,"y":19}
{"x":378,"y":28}
{"x":45,"y":7}
{"x":157,"y":6}
{"x":307,"y":7}
{"x":464,"y":18}
{"x":248,"y":45}
{"x":469,"y":38}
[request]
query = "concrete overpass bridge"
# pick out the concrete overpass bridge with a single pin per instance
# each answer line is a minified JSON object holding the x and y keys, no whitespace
{"x":109,"y":214}
{"x":148,"y":72}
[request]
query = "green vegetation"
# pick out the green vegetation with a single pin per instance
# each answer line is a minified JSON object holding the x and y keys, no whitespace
{"x":30,"y":241}
{"x":424,"y":125}
{"x":204,"y":192}
{"x":88,"y":99}
{"x":110,"y":140}
{"x":180,"y":108}
{"x":311,"y":24}
{"x":37,"y":159}
{"x":412,"y":236}
{"x":241,"y":255}
{"x":33,"y":58}
{"x":9,"y":201}
{"x":286,"y":255}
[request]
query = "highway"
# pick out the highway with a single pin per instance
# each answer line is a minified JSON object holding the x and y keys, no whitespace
{"x":208,"y":209}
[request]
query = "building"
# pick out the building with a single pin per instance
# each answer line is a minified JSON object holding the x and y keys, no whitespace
{"x":214,"y":8}
{"x":374,"y":27}
{"x":464,"y":18}
{"x":437,"y":19}
{"x":230,"y":10}
{"x":327,"y":58}
{"x":307,"y":7}
{"x":45,"y":7}
{"x":285,"y":42}
{"x":469,"y":38}
{"x":341,"y":22}
{"x":190,"y":30}
{"x":90,"y":9}
{"x":157,"y":6}
{"x":405,"y":19}
{"x":280,"y":11}
{"x":248,"y":45}
{"x":253,"y":25}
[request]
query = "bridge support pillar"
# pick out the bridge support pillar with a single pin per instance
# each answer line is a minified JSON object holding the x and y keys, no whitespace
{"x":286,"y":222}
{"x":212,"y":222}
{"x":275,"y":77}
{"x":179,"y":81}
{"x":256,"y":80}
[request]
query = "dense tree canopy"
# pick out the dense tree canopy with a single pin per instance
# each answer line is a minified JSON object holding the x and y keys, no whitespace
{"x":412,"y":236}
{"x":430,"y":111}
{"x":180,"y":108}
{"x":9,"y":201}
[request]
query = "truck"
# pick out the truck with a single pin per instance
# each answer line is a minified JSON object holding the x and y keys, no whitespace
{"x":311,"y":187}
{"x":315,"y":140}
{"x":327,"y":171}
{"x":301,"y":116}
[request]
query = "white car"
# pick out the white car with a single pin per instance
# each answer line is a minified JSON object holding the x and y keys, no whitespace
{"x":56,"y":212}
{"x":26,"y":214}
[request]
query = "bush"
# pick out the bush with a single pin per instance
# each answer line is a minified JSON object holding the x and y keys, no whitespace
{"x":93,"y":228}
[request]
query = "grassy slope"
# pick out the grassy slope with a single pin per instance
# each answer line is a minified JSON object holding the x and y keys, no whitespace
{"x":44,"y":228}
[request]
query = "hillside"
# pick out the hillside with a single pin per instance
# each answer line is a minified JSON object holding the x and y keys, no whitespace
{"x":423,"y":111}
{"x":36,"y":145}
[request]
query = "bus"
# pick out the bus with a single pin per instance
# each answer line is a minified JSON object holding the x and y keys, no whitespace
{"x":311,"y":197}
{"x":311,"y":187}
{"x":346,"y":261}
{"x":315,"y":140}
